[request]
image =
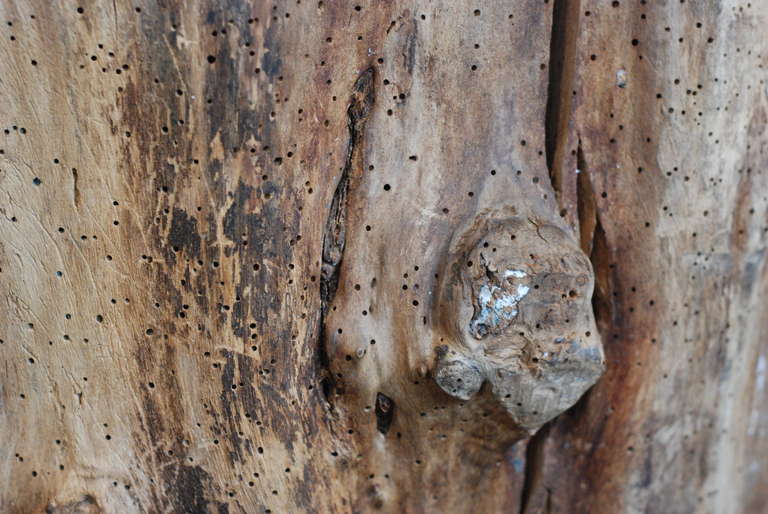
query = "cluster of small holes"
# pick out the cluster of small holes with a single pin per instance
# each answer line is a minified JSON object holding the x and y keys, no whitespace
{"x":198,"y":274}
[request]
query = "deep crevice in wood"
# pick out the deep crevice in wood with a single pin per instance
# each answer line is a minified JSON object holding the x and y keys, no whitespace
{"x":556,"y":55}
{"x":334,"y":238}
{"x":562,"y":48}
{"x":534,"y":467}
{"x":385,"y":412}
{"x":592,"y":238}
{"x":75,"y":189}
{"x":561,"y":56}
{"x":601,"y":303}
{"x":586,"y":204}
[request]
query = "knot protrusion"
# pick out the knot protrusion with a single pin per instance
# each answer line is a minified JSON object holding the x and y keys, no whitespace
{"x":515,"y":310}
{"x":458,"y":376}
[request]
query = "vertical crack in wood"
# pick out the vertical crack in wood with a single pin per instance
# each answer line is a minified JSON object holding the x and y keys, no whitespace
{"x":334,"y":237}
{"x":586,"y":204}
{"x":592,"y":239}
{"x":534,"y":468}
{"x":75,"y":189}
{"x":602,"y":302}
{"x":565,"y":19}
{"x":562,"y":49}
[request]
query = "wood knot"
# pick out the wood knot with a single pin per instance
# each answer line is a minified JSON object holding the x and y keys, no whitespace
{"x":459,"y":376}
{"x":515,"y":308}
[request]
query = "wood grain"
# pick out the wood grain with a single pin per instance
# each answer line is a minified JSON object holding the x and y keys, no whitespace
{"x":227,"y":225}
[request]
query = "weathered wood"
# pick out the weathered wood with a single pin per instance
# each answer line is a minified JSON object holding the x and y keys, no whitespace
{"x":248,"y":249}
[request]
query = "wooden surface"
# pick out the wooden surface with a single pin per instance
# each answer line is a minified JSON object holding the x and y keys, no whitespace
{"x":227,"y":226}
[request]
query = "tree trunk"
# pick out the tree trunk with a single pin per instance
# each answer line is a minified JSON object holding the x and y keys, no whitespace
{"x":326,"y":256}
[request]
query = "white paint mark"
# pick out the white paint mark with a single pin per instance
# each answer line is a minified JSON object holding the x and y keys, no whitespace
{"x":498,"y":305}
{"x":621,"y":78}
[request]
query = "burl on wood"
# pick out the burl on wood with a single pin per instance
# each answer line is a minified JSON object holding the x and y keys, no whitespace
{"x":515,"y":310}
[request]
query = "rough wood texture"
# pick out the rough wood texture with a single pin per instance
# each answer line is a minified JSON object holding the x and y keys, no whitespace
{"x":234,"y":255}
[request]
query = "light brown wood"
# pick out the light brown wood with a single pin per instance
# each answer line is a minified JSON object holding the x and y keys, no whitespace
{"x":248,"y":249}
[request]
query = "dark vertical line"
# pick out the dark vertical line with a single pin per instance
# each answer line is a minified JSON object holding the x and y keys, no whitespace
{"x":602,"y":301}
{"x":561,"y":56}
{"x":554,"y":93}
{"x":562,"y":61}
{"x":586,"y":205}
{"x":534,"y":467}
{"x":592,"y":238}
{"x":75,"y":189}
